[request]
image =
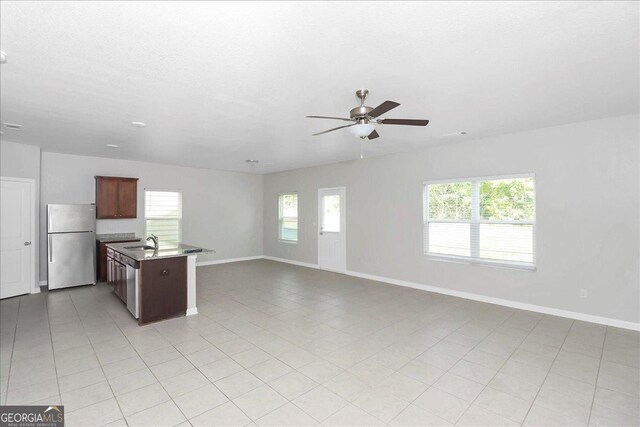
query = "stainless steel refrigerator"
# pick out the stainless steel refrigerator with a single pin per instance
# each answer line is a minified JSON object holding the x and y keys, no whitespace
{"x":71,"y":245}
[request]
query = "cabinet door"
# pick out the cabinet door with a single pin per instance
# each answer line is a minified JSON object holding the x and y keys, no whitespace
{"x":127,"y":198}
{"x":110,"y":272}
{"x":106,"y":197}
{"x":123,"y":282}
{"x":102,"y":262}
{"x":117,"y":288}
{"x":163,"y":289}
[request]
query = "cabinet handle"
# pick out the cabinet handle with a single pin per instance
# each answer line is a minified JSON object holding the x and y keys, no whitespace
{"x":50,"y":249}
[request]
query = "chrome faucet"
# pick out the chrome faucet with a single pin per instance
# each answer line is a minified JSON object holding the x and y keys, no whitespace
{"x":154,"y":238}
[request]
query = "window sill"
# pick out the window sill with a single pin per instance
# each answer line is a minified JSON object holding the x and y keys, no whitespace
{"x":291,"y":242}
{"x":480,"y":262}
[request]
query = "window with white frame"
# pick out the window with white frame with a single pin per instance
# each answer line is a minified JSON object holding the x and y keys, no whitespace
{"x":163,"y":215}
{"x":288,"y":217}
{"x":489,"y":220}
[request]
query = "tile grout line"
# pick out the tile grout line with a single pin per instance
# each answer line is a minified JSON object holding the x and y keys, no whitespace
{"x":13,"y":348}
{"x":160,"y":383}
{"x":573,"y":322}
{"x":595,"y":388}
{"x":147,"y":367}
{"x":498,"y":370}
{"x":96,"y":356}
{"x":53,"y":351}
{"x":433,"y":345}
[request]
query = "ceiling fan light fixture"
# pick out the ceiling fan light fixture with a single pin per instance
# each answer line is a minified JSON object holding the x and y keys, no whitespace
{"x":362,"y":130}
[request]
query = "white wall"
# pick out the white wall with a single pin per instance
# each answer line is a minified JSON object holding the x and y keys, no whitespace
{"x":587,"y":182}
{"x":23,"y":161}
{"x":220,"y":210}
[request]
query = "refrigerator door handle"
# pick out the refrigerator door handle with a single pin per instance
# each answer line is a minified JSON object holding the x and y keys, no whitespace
{"x":50,"y":248}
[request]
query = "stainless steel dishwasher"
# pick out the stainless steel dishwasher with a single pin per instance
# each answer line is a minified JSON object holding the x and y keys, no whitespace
{"x":133,"y":292}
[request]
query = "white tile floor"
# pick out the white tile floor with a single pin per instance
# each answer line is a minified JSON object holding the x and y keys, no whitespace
{"x":276,"y":344}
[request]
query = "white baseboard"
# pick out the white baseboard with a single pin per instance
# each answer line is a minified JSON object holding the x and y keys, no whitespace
{"x":482,"y":298}
{"x":289,"y":261}
{"x":224,"y":261}
{"x":504,"y":302}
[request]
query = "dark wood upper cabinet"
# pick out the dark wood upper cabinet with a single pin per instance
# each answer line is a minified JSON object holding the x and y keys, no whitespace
{"x":116,"y":197}
{"x":127,"y":198}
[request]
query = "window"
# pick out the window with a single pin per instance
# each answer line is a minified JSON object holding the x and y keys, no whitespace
{"x":331,"y":214}
{"x":288,"y":217}
{"x":482,"y":219}
{"x":163,"y":215}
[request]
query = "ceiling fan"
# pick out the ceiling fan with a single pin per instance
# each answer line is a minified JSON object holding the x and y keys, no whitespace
{"x":365,"y":118}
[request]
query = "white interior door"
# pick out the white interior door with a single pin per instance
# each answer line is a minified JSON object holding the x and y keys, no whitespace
{"x":16,"y":256}
{"x":332,"y":233}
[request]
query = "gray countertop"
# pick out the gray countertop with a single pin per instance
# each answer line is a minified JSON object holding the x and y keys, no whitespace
{"x":166,"y":250}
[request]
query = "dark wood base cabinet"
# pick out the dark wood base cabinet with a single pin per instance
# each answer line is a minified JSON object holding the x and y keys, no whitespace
{"x":163,"y":289}
{"x":103,"y":265}
{"x":117,"y":276}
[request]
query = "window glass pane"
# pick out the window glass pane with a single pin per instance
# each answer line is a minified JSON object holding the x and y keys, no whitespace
{"x":289,"y":205}
{"x":162,"y":204}
{"x":289,"y":229}
{"x":450,"y":200}
{"x":163,"y":212}
{"x":288,"y":217}
{"x":331,"y":216}
{"x":507,"y":199}
{"x":509,"y":242}
{"x":167,"y":230}
{"x":449,"y":238}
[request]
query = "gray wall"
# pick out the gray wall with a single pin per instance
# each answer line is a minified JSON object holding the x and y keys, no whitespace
{"x":220,"y":210}
{"x":23,"y":161}
{"x":587,"y":182}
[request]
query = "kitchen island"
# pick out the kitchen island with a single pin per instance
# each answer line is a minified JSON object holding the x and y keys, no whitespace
{"x":154,"y":283}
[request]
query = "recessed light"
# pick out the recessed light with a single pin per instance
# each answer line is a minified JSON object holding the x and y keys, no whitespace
{"x":3,"y":57}
{"x":139,"y":124}
{"x":112,"y":146}
{"x":12,"y":126}
{"x":252,"y":161}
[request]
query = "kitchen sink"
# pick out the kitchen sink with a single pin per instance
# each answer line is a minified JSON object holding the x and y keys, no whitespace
{"x":140,"y":247}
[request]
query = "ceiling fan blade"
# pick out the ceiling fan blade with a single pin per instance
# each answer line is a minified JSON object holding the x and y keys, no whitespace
{"x":373,"y":135}
{"x":383,"y":108}
{"x":333,"y":118}
{"x":331,"y":130}
{"x":408,"y":122}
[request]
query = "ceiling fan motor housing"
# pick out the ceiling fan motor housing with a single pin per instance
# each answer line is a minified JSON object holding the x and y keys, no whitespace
{"x":360,"y":112}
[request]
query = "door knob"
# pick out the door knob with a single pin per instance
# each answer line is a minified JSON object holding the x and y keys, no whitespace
{"x":27,"y":243}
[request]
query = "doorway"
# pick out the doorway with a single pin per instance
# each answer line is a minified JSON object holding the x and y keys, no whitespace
{"x":17,"y":232}
{"x":332,"y":229}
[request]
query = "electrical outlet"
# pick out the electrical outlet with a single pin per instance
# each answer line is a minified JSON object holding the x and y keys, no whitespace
{"x":583,"y":293}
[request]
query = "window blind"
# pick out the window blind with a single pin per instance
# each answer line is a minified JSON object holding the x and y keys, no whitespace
{"x":163,"y":215}
{"x":288,"y":217}
{"x":481,"y":219}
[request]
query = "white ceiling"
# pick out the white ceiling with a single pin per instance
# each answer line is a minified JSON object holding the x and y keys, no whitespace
{"x":218,"y":82}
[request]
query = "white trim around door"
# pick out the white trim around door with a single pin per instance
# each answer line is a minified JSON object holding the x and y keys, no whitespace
{"x":332,"y":231}
{"x":34,"y":286}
